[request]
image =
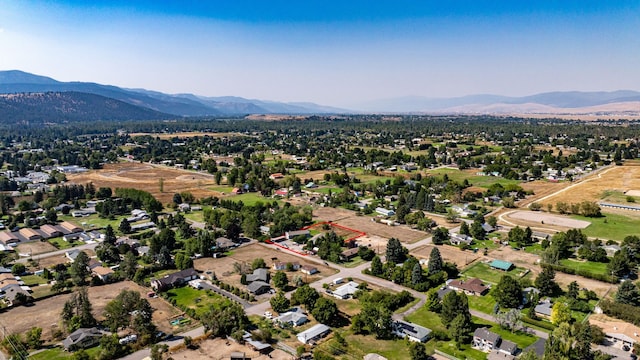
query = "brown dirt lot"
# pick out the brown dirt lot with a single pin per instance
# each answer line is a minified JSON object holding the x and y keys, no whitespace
{"x":218,"y":349}
{"x":448,"y":253}
{"x":349,"y":219}
{"x":146,"y":177}
{"x":35,"y":247}
{"x":223,"y":267}
{"x":46,"y":313}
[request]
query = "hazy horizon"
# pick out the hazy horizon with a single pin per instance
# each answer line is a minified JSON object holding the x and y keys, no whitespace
{"x":331,"y":53}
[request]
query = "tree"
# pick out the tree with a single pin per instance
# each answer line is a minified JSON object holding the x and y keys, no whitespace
{"x":183,"y":261}
{"x":464,"y":229}
{"x":510,"y":319}
{"x":280,"y":280}
{"x":396,"y":253}
{"x":433,"y":302}
{"x":440,"y":236}
{"x":279,"y":302}
{"x":258,"y":264}
{"x":77,"y":311}
{"x":418,"y":351}
{"x":454,"y":304}
{"x":325,"y":311}
{"x":110,"y":348}
{"x":451,"y":216}
{"x":305,"y":295}
{"x":416,"y":274}
{"x":80,"y":269}
{"x":33,"y":337}
{"x":109,"y":235}
{"x":460,"y":329}
{"x":18,"y":269}
{"x":129,"y":265}
{"x":128,"y":309}
{"x":225,"y":320}
{"x":628,"y":294}
{"x":435,"y":262}
{"x":619,"y":265}
{"x":177,"y":198}
{"x":81,"y":355}
{"x":545,"y":283}
{"x":376,"y":266}
{"x":508,"y":292}
{"x":573,"y":290}
{"x":125,"y":226}
{"x":560,"y":313}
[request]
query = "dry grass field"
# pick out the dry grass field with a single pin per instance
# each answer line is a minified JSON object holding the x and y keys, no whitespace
{"x":448,"y":253}
{"x":46,"y":313}
{"x":349,"y":219}
{"x":223,"y":267}
{"x":218,"y":349}
{"x":617,"y":178}
{"x":144,"y":176}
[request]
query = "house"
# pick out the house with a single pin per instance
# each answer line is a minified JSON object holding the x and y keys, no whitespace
{"x":457,"y":239}
{"x":470,"y":287}
{"x":237,"y":355}
{"x":258,"y":287}
{"x":443,"y":292}
{"x":265,"y":230}
{"x":30,"y":234}
{"x":385,"y":212}
{"x":617,"y":332}
{"x":411,"y":331}
{"x":259,"y":275}
{"x":222,"y":243}
{"x":501,"y":265}
{"x":611,"y":249}
{"x":373,"y":356}
{"x":485,"y":340}
{"x":139,"y":213}
{"x":289,"y":235}
{"x":184,"y":207}
{"x":527,"y":293}
{"x":72,"y":254}
{"x":103,"y":273}
{"x":498,"y":355}
{"x":143,"y":226}
{"x":308,"y":269}
{"x":282,"y":192}
{"x":539,"y":236}
{"x":256,"y":345}
{"x":10,"y":291}
{"x":172,"y":280}
{"x":69,"y":228}
{"x":488,"y":228}
{"x":8,"y":237}
{"x":311,"y":185}
{"x":83,"y":212}
{"x":276,"y":176}
{"x":346,"y":291}
{"x":544,"y":308}
{"x":82,"y":338}
{"x":537,"y":347}
{"x":291,"y":318}
{"x":349,"y":254}
{"x":50,"y":231}
{"x":280,"y":265}
{"x":313,"y":334}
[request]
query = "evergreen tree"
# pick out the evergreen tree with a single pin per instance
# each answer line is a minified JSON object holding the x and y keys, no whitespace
{"x":545,"y":283}
{"x":279,"y":302}
{"x":508,"y":292}
{"x":573,"y":290}
{"x":418,"y":351}
{"x":109,"y":235}
{"x":125,"y":226}
{"x":396,"y":253}
{"x":460,"y":329}
{"x":80,"y":269}
{"x":464,"y":229}
{"x":376,"y":266}
{"x":454,"y":304}
{"x":628,"y":294}
{"x":435,"y":261}
{"x":416,"y":274}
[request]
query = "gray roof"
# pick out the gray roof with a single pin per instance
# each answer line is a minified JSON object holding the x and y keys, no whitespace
{"x":544,"y":308}
{"x":508,"y":346}
{"x":411,"y":329}
{"x":537,"y":347}
{"x":292,"y":318}
{"x":256,"y":285}
{"x":79,"y":335}
{"x":314,"y":331}
{"x":443,"y":292}
{"x":484,"y":333}
{"x":259,"y":275}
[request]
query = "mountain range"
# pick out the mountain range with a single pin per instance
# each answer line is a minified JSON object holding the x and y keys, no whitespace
{"x":73,"y":101}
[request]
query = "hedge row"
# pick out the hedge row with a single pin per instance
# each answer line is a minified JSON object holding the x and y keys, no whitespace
{"x":585,"y":273}
{"x":539,"y":323}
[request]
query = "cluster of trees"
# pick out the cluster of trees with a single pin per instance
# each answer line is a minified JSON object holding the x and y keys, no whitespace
{"x":323,"y":309}
{"x":454,"y":313}
{"x":375,"y":315}
{"x":585,"y":208}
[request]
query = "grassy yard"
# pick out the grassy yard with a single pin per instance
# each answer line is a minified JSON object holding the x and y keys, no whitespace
{"x":250,"y":198}
{"x":534,"y":249}
{"x":522,"y":339}
{"x":221,"y":189}
{"x":594,"y":267}
{"x":58,"y":353}
{"x":31,"y":280}
{"x":360,"y":345}
{"x":610,"y":227}
{"x":476,"y":180}
{"x":59,"y":243}
{"x":483,"y":304}
{"x":356,"y":261}
{"x":484,"y":272}
{"x":93,"y":221}
{"x":196,"y":299}
{"x":481,"y":244}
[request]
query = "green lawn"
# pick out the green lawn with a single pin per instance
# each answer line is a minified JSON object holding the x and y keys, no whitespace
{"x":59,"y":243}
{"x":196,"y":215}
{"x":360,"y":345}
{"x":93,"y":222}
{"x":484,"y":272}
{"x":476,"y":180}
{"x":221,"y":189}
{"x":426,"y":318}
{"x":534,"y":249}
{"x":58,"y":353}
{"x":484,"y":304}
{"x":326,"y":190}
{"x":353,"y":262}
{"x":594,"y":267}
{"x":31,"y":280}
{"x":250,"y":198}
{"x":522,"y":339}
{"x":481,"y":244}
{"x":196,"y":299}
{"x":610,"y":227}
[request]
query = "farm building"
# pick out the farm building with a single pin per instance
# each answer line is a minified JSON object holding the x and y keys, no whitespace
{"x":501,"y":265}
{"x":385,"y":212}
{"x":313,"y":334}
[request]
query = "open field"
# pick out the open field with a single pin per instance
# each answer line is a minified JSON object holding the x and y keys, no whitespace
{"x":470,"y":175}
{"x":37,"y":247}
{"x":349,"y":219}
{"x":46,"y":313}
{"x":541,"y":219}
{"x":360,"y":345}
{"x":483,"y":271}
{"x":218,"y":349}
{"x":448,"y":253}
{"x":613,"y":226}
{"x":223,"y":267}
{"x":616,"y":178}
{"x":147,"y":177}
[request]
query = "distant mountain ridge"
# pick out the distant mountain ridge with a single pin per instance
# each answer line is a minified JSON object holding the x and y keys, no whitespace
{"x":553,"y":101}
{"x":16,"y":81}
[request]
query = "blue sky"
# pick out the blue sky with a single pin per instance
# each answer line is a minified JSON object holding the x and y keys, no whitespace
{"x":340,"y":53}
